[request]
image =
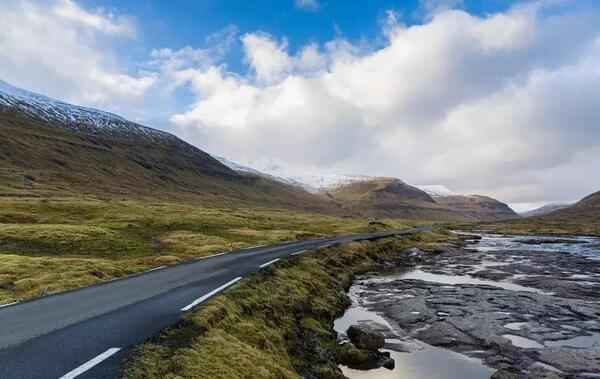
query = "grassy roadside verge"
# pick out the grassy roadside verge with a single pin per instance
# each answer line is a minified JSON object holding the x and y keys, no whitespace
{"x":55,"y":244}
{"x":275,"y":324}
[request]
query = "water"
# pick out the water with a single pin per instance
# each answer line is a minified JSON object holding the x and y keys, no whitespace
{"x":424,"y":361}
{"x":578,"y":245}
{"x":464,"y":279}
{"x":523,"y":342}
{"x":581,"y":342}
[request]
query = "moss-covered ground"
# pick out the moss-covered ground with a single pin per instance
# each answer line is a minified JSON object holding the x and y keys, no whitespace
{"x":54,"y":244}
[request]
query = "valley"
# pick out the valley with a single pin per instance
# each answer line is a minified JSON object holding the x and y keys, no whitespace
{"x":88,"y":197}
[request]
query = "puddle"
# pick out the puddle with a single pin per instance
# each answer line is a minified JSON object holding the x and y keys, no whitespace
{"x":425,"y":361}
{"x":430,"y":363}
{"x":515,"y":325}
{"x":578,"y":245}
{"x":463,"y":279}
{"x":581,"y":342}
{"x":523,"y":342}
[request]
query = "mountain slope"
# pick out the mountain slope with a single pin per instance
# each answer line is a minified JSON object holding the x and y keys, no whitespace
{"x":390,"y":197}
{"x":53,"y":148}
{"x":544,"y":210}
{"x":586,"y":210}
{"x":482,"y":208}
{"x":580,"y":218}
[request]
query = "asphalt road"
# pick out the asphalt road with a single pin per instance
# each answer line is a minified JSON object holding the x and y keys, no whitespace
{"x":86,"y":333}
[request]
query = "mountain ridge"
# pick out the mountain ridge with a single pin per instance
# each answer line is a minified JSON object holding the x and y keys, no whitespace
{"x":52,"y":147}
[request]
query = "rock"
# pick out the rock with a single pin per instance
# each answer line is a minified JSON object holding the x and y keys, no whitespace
{"x":414,"y":252}
{"x":365,"y":337}
{"x":509,"y":373}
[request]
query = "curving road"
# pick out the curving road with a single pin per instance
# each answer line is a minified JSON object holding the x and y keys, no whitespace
{"x":85,"y":333}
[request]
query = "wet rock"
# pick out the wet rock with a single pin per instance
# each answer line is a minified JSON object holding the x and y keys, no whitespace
{"x":509,"y":373}
{"x":491,"y":274}
{"x":364,"y":336}
{"x":547,"y":241}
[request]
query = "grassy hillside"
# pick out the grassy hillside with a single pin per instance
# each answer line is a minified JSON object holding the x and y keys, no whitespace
{"x":476,"y":207}
{"x":581,"y":218}
{"x":39,"y":158}
{"x":389,"y":197}
{"x":49,"y":245}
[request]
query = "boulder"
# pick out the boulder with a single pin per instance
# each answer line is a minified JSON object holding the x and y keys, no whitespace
{"x":365,"y":337}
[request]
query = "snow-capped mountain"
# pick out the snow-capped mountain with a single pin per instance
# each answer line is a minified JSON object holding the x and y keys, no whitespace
{"x":437,"y":190}
{"x":310,"y":182}
{"x":324,"y":182}
{"x":76,"y":117}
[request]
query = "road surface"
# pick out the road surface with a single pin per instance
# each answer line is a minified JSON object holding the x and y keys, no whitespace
{"x":86,"y":333}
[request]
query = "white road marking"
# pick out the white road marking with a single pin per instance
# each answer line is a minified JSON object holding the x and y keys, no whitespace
{"x":299,"y":252}
{"x":157,"y":268}
{"x":7,"y":304}
{"x":269,"y":263}
{"x":91,"y":363}
{"x":210,"y":256}
{"x":254,"y":247}
{"x":210,"y":294}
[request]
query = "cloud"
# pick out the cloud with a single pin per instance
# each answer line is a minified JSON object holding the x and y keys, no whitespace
{"x":504,"y":104}
{"x":308,"y":5}
{"x":101,"y":21}
{"x":63,"y":50}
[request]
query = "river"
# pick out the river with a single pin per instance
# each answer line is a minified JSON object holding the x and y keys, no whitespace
{"x":527,"y":302}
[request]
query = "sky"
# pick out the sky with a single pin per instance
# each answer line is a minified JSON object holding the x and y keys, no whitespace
{"x":493,"y":97}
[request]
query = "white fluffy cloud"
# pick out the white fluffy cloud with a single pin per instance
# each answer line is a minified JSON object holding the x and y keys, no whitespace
{"x":504,"y":104}
{"x":58,"y":48}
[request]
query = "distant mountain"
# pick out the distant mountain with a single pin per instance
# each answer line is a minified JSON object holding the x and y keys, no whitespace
{"x":546,"y":209}
{"x":585,"y":210}
{"x":389,"y":197}
{"x":581,"y":218}
{"x":482,"y":208}
{"x":392,"y":197}
{"x":49,"y":147}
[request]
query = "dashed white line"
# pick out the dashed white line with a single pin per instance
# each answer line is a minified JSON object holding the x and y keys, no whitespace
{"x":211,"y":256}
{"x":254,"y":247}
{"x":299,"y":252}
{"x":8,"y":304}
{"x":210,"y":294}
{"x":91,"y":363}
{"x":269,"y":263}
{"x":157,"y":268}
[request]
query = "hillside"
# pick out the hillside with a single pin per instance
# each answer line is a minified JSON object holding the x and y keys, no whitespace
{"x":389,"y":197}
{"x":544,"y":210}
{"x":586,"y":210}
{"x":580,"y":218}
{"x":477,"y":207}
{"x":52,"y":148}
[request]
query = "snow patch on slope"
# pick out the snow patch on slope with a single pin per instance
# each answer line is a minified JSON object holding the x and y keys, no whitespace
{"x":437,"y":190}
{"x":310,"y":182}
{"x":72,"y":116}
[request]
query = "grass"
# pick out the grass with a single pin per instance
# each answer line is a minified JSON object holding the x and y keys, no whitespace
{"x":54,"y":244}
{"x":275,"y":324}
{"x":544,"y":225}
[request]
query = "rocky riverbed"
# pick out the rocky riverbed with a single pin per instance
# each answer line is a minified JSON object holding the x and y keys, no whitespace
{"x":502,"y":306}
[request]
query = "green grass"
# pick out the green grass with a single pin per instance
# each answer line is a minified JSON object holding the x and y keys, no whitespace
{"x":276,"y":324}
{"x":50,"y":245}
{"x":545,"y":226}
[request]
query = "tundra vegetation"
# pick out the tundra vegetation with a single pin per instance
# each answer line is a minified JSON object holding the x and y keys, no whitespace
{"x":49,"y":245}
